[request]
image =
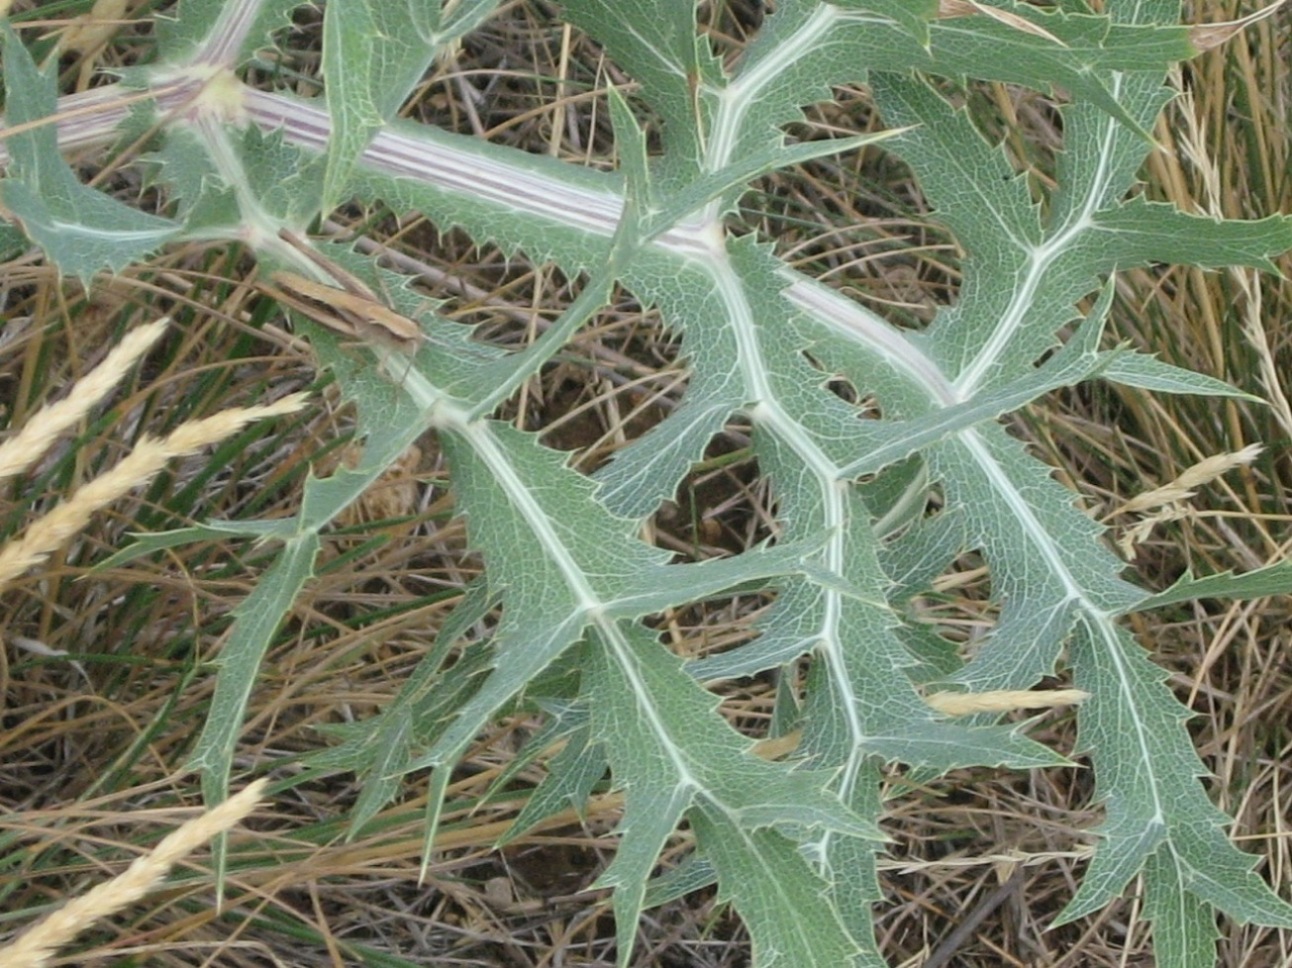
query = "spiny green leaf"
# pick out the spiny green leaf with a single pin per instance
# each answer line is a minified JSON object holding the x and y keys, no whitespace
{"x":851,"y":561}
{"x":1149,"y":373}
{"x":372,"y":57}
{"x":572,"y":773}
{"x":1275,"y":579}
{"x":194,"y":29}
{"x":1147,"y":778}
{"x":660,"y":48}
{"x":82,"y":230}
{"x":766,"y":878}
{"x":256,"y":620}
{"x":1141,"y":231}
{"x":671,"y":752}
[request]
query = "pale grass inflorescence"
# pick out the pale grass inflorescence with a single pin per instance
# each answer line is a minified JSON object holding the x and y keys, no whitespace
{"x":35,"y":946}
{"x":50,"y":532}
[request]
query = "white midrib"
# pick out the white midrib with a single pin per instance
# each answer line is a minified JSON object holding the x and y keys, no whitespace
{"x":1040,"y":538}
{"x":586,"y":599}
{"x":1039,"y":261}
{"x":597,"y":212}
{"x":766,"y":410}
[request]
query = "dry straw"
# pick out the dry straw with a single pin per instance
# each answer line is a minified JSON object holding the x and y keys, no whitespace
{"x":1195,"y":143}
{"x":34,"y":948}
{"x":953,"y":704}
{"x":46,"y":535}
{"x":1002,"y":700}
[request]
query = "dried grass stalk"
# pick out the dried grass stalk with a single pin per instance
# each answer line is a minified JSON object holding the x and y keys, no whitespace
{"x":1002,"y":700}
{"x":25,"y":448}
{"x":1182,"y":488}
{"x":34,"y":948}
{"x":150,"y":456}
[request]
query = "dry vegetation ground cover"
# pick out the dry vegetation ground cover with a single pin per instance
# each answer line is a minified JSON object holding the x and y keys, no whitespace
{"x":105,"y":672}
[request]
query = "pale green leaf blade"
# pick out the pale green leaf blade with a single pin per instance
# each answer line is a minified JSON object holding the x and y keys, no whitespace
{"x":82,"y":231}
{"x":974,"y":189}
{"x":661,"y":49}
{"x":1090,"y":48}
{"x":572,"y":775}
{"x":531,"y":515}
{"x":649,"y":819}
{"x":1217,"y":872}
{"x":884,"y":442}
{"x":1275,"y":579}
{"x":1184,"y":928}
{"x":1147,"y":777}
{"x":426,"y":703}
{"x":386,"y":421}
{"x":256,"y":620}
{"x":778,"y":896}
{"x":729,"y":182}
{"x":1150,"y":373}
{"x":644,"y":473}
{"x":1048,"y":565}
{"x":693,"y":874}
{"x":670,"y":751}
{"x":197,"y":31}
{"x":654,"y":721}
{"x":1139,"y":232}
{"x":443,"y":21}
{"x":372,"y":58}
